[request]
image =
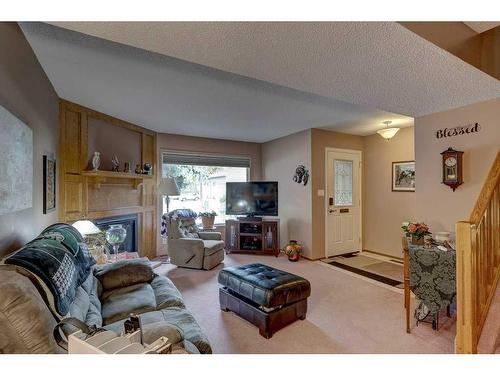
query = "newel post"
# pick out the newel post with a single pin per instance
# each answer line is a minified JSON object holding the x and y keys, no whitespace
{"x":465,"y":339}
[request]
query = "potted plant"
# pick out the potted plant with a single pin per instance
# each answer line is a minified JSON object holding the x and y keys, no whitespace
{"x":293,"y":250}
{"x":417,"y":231}
{"x":207,"y":219}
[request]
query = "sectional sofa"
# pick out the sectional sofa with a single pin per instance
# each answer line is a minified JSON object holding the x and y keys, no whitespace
{"x":54,"y":276}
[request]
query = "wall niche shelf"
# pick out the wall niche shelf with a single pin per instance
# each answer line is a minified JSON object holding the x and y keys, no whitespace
{"x":99,"y":177}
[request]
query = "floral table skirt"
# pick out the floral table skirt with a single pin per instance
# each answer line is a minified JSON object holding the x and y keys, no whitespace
{"x":433,"y":276}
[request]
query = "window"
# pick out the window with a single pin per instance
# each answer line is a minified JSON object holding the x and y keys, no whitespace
{"x":343,"y":182}
{"x":202,"y":181}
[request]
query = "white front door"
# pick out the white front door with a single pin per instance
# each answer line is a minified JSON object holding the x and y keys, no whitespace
{"x":343,"y":202}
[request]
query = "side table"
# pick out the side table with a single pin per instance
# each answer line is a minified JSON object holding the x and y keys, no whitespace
{"x":430,"y":273}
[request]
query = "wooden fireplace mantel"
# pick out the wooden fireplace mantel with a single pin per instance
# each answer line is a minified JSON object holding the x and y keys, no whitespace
{"x":98,"y":177}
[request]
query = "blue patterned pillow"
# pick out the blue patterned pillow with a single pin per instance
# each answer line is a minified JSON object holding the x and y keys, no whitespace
{"x":54,"y":265}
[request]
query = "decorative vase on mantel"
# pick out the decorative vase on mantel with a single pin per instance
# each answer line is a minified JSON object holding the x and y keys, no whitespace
{"x":96,"y":161}
{"x":293,"y":250}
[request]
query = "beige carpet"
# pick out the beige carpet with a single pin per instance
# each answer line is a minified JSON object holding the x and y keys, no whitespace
{"x":346,"y":314}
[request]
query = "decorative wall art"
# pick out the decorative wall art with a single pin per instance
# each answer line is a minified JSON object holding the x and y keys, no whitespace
{"x":16,"y":163}
{"x":301,"y":175}
{"x":49,"y":184}
{"x":403,"y":176}
{"x":458,"y":130}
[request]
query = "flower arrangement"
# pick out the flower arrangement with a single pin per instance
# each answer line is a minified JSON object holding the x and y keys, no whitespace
{"x":418,"y":230}
{"x":207,"y":214}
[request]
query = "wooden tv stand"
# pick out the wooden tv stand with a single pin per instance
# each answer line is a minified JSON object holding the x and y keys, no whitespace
{"x":247,"y":236}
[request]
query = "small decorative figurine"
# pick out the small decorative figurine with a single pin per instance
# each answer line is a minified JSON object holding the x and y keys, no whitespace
{"x":148,"y":169}
{"x":96,"y":160}
{"x":301,"y":175}
{"x":116,"y":164}
{"x":138,"y":169}
{"x":127,"y":168}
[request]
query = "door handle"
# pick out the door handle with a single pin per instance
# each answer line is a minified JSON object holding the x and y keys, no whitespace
{"x":331,"y":211}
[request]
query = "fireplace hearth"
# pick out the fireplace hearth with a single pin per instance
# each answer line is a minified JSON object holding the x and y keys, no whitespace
{"x":129,"y":222}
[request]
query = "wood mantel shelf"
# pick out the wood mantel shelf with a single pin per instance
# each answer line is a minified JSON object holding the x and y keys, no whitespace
{"x":101,"y":176}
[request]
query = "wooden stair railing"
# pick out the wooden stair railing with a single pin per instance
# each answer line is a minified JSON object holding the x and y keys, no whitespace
{"x":478,"y":262}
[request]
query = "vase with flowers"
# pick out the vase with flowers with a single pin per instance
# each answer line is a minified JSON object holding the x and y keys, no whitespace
{"x":416,"y":231}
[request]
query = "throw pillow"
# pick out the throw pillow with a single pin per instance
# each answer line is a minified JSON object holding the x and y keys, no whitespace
{"x":124,"y":273}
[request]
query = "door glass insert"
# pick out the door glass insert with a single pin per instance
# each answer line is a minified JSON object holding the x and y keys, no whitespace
{"x":343,"y":182}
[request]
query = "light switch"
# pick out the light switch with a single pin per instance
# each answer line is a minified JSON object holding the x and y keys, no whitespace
{"x":321,"y":193}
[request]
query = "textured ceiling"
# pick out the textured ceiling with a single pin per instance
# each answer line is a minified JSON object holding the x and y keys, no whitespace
{"x":376,"y":64}
{"x":174,"y":96}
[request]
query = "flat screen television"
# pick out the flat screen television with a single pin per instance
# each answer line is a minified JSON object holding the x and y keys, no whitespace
{"x":252,"y":198}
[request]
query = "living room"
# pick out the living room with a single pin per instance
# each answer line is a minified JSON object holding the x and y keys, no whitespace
{"x":249,"y":187}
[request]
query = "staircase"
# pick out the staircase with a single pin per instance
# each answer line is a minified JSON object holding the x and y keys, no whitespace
{"x":489,"y":341}
{"x":478,"y":271}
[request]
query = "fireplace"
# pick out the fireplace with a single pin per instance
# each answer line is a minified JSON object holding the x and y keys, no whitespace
{"x":129,"y":222}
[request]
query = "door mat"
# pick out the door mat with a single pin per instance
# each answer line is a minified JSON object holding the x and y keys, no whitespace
{"x":370,"y":275}
{"x":350,"y":255}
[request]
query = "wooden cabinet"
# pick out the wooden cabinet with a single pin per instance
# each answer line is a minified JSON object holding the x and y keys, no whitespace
{"x":252,"y":236}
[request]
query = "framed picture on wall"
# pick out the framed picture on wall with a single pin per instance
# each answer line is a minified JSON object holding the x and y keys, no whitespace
{"x":403,"y":175}
{"x":49,"y":184}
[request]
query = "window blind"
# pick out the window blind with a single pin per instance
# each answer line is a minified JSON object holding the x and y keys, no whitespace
{"x":206,"y":160}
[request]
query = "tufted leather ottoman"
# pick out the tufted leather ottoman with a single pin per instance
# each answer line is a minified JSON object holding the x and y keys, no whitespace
{"x":263,"y":295}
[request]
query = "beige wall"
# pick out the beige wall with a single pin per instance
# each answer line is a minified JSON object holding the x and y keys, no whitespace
{"x":320,"y":139}
{"x":383,"y":209}
{"x":280,"y":158}
{"x":27,"y":93}
{"x":101,"y":135}
{"x":437,"y":204}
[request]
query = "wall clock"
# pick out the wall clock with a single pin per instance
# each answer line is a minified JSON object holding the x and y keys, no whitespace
{"x":452,"y":168}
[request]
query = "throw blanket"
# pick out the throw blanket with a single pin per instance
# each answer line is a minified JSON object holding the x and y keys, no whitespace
{"x":60,"y":258}
{"x":184,"y":213}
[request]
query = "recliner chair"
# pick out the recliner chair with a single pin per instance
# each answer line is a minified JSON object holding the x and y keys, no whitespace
{"x":190,"y":248}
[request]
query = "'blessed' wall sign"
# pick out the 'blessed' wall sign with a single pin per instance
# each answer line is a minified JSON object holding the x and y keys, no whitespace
{"x":459,"y":130}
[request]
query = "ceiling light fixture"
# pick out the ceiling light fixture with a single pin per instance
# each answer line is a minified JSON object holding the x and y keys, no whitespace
{"x":387,"y":132}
